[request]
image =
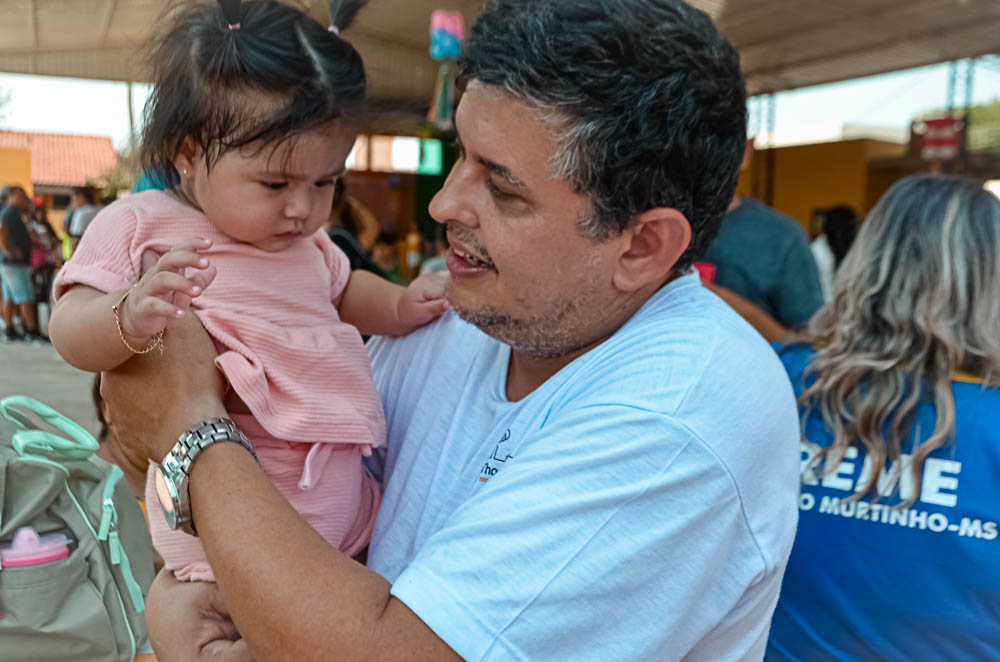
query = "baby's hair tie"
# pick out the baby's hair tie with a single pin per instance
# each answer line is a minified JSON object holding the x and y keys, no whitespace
{"x":231,"y":12}
{"x":342,"y":13}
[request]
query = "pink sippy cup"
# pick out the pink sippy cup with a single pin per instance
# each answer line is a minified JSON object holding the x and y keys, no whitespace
{"x":28,"y":548}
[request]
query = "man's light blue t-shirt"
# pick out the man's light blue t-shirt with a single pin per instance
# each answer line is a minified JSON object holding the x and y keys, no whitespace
{"x":639,"y":505}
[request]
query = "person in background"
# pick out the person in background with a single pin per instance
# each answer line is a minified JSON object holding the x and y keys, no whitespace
{"x":353,"y":229}
{"x":45,"y":251}
{"x":4,"y":195}
{"x":839,"y":227}
{"x":15,"y":269}
{"x":385,"y":255}
{"x":351,"y":214}
{"x":896,"y":554}
{"x":764,"y":257}
{"x":437,"y":261}
{"x":81,"y":201}
{"x":764,"y":324}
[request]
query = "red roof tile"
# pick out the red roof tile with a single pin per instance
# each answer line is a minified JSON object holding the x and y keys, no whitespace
{"x":63,"y":159}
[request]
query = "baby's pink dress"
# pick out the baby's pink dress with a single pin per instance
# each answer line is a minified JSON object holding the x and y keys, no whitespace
{"x":303,"y":372}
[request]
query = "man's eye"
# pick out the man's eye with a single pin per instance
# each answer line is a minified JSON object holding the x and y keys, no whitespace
{"x":275,"y":186}
{"x":325,"y":182}
{"x":497,"y":192}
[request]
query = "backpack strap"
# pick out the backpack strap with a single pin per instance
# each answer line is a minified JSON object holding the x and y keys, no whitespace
{"x":78,"y":444}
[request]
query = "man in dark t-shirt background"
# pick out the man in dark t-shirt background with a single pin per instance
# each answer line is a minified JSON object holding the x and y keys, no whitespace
{"x":764,"y":256}
{"x":16,"y":285}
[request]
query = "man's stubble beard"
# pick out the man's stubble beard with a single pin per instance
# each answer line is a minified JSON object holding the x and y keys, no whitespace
{"x":558,"y":330}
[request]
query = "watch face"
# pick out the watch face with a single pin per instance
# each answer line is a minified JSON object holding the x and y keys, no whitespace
{"x":163,"y":492}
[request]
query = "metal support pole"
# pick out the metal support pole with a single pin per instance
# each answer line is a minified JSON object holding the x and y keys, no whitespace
{"x":970,"y":76}
{"x":952,"y":83}
{"x":772,"y":112}
{"x":131,"y":119}
{"x":769,"y":176}
{"x":755,"y":127}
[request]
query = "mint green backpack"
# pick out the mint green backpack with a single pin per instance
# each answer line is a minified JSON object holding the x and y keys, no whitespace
{"x":88,"y":606}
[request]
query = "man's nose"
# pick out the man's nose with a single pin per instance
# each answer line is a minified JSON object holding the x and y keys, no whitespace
{"x":455,"y":201}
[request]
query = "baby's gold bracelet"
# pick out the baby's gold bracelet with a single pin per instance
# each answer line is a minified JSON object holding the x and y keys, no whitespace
{"x":156,"y":342}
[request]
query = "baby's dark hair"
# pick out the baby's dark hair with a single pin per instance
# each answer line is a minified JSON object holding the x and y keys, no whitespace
{"x":277,"y":74}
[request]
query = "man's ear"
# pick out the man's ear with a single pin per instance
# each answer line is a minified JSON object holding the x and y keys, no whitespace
{"x":651,"y":248}
{"x":186,"y":156}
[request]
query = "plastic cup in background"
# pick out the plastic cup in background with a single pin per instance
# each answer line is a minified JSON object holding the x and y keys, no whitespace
{"x":706,"y":271}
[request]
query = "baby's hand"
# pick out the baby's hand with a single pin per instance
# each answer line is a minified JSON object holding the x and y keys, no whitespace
{"x":423,"y":301}
{"x":164,"y":292}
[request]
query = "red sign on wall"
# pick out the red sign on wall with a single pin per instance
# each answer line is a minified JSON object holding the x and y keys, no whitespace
{"x":938,"y":138}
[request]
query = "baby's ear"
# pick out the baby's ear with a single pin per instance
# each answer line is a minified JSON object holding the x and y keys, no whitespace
{"x":186,"y":155}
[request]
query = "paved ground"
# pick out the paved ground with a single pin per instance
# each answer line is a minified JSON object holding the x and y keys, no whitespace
{"x":40,"y":373}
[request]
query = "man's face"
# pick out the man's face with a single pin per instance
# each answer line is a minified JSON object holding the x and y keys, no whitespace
{"x":521,"y":271}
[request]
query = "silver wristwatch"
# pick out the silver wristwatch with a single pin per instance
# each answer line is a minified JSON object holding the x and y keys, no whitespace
{"x":172,"y":474}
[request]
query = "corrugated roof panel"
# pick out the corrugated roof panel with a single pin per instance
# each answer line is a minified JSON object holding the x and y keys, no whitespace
{"x":783,"y":43}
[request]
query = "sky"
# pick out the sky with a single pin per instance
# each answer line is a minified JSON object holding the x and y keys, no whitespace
{"x":61,"y":105}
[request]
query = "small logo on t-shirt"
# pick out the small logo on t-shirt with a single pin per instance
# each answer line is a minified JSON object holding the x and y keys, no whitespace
{"x":496,"y":459}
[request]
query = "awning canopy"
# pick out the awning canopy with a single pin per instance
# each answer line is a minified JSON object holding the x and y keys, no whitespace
{"x":785,"y":44}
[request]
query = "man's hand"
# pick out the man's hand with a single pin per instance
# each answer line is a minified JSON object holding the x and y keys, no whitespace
{"x":153,"y":399}
{"x":188,"y":622}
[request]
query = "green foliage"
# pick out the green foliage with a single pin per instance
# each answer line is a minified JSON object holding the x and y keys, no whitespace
{"x":122,"y":177}
{"x":984,"y":128}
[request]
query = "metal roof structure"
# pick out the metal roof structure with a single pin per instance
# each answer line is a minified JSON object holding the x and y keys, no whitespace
{"x":785,"y":44}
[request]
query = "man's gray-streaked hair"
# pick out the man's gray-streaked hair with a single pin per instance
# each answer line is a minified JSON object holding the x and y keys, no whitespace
{"x":646,"y":96}
{"x":915,"y":301}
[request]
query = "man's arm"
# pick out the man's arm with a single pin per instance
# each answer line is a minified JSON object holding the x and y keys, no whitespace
{"x":292,"y":596}
{"x":5,"y":246}
{"x":765,"y":325}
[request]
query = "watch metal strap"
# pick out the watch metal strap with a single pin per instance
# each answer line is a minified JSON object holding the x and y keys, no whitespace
{"x":177,"y":464}
{"x":205,"y":434}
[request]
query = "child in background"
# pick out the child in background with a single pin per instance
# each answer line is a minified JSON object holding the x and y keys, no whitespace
{"x":249,"y":125}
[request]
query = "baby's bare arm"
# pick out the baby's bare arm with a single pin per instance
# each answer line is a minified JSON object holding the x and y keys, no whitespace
{"x":83,"y":330}
{"x":89,"y":335}
{"x":380,"y":308}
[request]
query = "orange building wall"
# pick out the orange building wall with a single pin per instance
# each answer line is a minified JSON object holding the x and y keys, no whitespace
{"x":806,"y":177}
{"x":15,"y":168}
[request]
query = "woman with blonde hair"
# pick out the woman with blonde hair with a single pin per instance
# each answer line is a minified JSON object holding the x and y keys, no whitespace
{"x":897,"y":555}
